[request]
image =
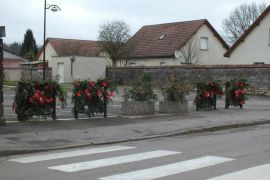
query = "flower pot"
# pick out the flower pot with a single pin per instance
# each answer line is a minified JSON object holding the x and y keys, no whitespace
{"x":173,"y":107}
{"x":133,"y":108}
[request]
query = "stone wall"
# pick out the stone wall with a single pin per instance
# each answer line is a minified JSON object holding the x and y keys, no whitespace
{"x":257,"y":75}
{"x":12,"y":74}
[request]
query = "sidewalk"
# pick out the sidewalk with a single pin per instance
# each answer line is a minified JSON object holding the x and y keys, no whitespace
{"x":23,"y":137}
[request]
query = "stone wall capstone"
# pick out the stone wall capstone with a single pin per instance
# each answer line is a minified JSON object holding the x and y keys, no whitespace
{"x":257,"y":75}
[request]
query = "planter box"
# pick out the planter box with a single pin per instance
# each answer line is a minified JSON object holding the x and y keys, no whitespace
{"x":173,"y":107}
{"x":133,"y":108}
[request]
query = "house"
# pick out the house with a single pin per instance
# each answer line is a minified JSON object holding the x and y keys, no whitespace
{"x":72,"y":59}
{"x":253,"y":47}
{"x":188,"y":42}
{"x":12,"y":65}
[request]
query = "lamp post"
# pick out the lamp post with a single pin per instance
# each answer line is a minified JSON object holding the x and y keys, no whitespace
{"x":53,"y":8}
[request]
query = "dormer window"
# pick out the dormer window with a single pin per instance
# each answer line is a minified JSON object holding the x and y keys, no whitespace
{"x":162,"y":36}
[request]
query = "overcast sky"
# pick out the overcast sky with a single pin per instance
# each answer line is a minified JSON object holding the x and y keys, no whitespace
{"x":80,"y":19}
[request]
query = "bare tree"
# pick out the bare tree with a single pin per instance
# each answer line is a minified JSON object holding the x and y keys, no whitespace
{"x":240,"y":20}
{"x":191,"y":52}
{"x":112,"y":39}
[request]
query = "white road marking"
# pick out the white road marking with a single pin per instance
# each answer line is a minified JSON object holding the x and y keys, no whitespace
{"x":112,"y":161}
{"x":70,"y":154}
{"x":169,"y":169}
{"x":255,"y":173}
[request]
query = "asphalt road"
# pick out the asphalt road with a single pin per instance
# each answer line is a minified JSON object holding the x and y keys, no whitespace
{"x":238,"y":154}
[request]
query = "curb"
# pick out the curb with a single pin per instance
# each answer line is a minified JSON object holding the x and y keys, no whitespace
{"x":175,"y":133}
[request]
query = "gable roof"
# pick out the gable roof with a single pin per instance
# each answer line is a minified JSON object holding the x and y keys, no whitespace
{"x":162,"y":40}
{"x":247,"y":32}
{"x":73,"y":47}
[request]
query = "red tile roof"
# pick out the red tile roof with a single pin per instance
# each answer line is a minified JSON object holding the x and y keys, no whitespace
{"x":247,"y":32}
{"x":70,"y":47}
{"x":148,"y":41}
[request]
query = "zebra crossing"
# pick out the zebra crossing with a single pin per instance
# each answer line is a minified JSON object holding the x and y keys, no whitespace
{"x":260,"y":172}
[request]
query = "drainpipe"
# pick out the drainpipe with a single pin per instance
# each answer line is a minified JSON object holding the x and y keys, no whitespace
{"x":72,"y":60}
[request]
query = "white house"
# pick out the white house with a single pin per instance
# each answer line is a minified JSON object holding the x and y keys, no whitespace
{"x":169,"y":44}
{"x":72,"y":59}
{"x":253,"y":47}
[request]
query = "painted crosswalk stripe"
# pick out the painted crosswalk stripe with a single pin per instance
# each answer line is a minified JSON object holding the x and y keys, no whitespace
{"x":255,"y":173}
{"x":112,"y":161}
{"x":70,"y":154}
{"x":169,"y":169}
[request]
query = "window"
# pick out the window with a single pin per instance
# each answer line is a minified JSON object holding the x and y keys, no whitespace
{"x":204,"y":43}
{"x":162,"y":36}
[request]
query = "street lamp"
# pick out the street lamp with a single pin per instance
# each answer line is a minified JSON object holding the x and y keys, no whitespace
{"x":53,"y":8}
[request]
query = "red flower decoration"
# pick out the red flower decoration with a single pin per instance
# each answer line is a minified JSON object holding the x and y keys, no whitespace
{"x":104,"y":83}
{"x":79,"y":94}
{"x":206,"y":93}
{"x":50,"y":100}
{"x":110,"y":95}
{"x":99,"y":93}
{"x":92,"y":83}
{"x":88,"y":93}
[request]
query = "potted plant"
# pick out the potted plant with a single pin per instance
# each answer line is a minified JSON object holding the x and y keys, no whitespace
{"x":207,"y":94}
{"x":236,"y":93}
{"x":34,"y":98}
{"x":140,"y":98}
{"x":174,"y":97}
{"x":91,"y":97}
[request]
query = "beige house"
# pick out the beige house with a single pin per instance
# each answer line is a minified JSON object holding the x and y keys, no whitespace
{"x":253,"y":47}
{"x":189,"y":42}
{"x":74,"y":59}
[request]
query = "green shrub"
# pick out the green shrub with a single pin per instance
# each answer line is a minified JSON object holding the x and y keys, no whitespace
{"x":176,"y":90}
{"x":141,"y":90}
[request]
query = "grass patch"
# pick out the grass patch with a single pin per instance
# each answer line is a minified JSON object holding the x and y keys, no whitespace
{"x":67,"y":87}
{"x":10,"y":83}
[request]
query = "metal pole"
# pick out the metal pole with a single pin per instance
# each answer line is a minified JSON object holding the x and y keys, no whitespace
{"x":44,"y":39}
{"x":2,"y":120}
{"x":105,"y":102}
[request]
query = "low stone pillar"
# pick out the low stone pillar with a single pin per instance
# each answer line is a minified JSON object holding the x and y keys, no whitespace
{"x":134,"y":108}
{"x":173,"y":107}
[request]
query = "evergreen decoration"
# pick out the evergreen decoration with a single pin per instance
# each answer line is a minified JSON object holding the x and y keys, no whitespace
{"x":90,"y":97}
{"x":207,"y":94}
{"x":37,"y":98}
{"x":236,"y":93}
{"x":141,"y":90}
